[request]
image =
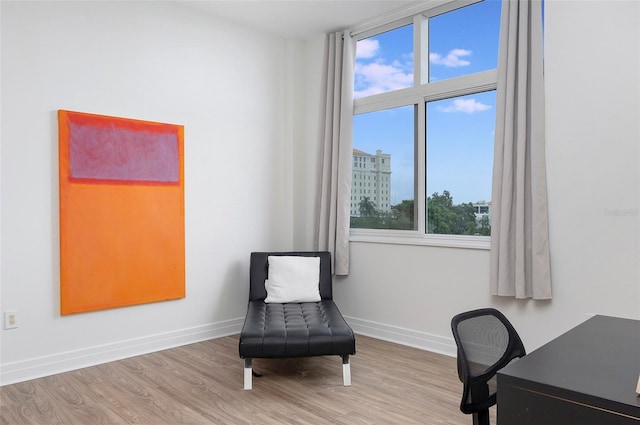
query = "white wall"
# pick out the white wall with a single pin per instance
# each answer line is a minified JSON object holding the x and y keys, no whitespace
{"x":152,"y":61}
{"x":409,"y":293}
{"x":306,"y":149}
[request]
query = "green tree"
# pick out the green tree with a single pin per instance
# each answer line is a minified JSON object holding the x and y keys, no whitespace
{"x":367,"y":208}
{"x":370,"y":217}
{"x":484,"y":227}
{"x":444,"y":217}
{"x":402,"y":215}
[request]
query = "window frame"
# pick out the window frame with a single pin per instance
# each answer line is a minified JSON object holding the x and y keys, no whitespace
{"x":419,"y":94}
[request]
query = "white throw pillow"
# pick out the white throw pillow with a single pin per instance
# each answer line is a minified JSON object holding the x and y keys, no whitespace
{"x":293,"y":279}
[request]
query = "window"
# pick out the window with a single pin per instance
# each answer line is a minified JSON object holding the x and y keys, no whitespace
{"x":459,"y":161}
{"x":424,"y":117}
{"x":388,"y":134}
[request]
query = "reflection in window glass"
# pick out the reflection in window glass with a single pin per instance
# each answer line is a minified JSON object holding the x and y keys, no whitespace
{"x":384,"y":160}
{"x":384,"y":62}
{"x":471,"y":47}
{"x":460,"y":133}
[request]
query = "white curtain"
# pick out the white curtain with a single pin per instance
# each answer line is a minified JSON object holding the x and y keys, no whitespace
{"x":336,"y":151}
{"x":520,"y":263}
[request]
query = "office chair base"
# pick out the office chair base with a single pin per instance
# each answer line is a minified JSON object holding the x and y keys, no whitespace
{"x":481,"y":418}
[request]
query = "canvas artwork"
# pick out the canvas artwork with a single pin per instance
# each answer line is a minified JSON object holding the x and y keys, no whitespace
{"x":121,"y":212}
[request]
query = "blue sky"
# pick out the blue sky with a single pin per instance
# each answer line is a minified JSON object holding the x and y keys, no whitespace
{"x":460,"y":130}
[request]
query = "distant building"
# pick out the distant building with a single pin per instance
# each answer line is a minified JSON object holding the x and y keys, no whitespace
{"x":482,"y":209}
{"x":371,"y":179}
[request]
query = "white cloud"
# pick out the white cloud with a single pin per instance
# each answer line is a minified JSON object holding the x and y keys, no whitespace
{"x":468,"y":106}
{"x":452,"y":60}
{"x":367,"y":48}
{"x":374,"y":75}
{"x":378,"y":77}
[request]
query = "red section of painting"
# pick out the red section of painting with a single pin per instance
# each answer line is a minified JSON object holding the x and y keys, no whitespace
{"x":119,"y":149}
{"x":121,"y":212}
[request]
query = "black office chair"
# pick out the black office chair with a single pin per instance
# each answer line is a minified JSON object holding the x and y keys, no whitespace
{"x":486,"y":342}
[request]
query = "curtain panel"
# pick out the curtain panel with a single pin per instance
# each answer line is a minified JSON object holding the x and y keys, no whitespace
{"x":336,"y":150}
{"x":520,"y":260}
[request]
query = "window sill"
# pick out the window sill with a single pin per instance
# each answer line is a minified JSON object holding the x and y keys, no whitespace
{"x":416,"y":238}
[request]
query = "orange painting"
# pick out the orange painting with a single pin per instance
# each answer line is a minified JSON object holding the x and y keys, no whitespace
{"x":121,"y":212}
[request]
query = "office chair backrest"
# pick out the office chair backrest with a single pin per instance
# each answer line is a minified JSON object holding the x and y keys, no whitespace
{"x":486,"y":343}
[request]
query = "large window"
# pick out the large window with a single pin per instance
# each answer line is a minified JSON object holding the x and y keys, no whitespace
{"x":424,"y":117}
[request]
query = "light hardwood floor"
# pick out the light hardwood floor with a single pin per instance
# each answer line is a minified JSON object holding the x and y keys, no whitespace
{"x":202,"y":384}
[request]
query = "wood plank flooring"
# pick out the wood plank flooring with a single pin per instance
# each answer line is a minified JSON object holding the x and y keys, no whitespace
{"x":202,"y":384}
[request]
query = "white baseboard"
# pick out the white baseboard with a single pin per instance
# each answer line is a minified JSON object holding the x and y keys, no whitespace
{"x":24,"y":370}
{"x":404,"y":336}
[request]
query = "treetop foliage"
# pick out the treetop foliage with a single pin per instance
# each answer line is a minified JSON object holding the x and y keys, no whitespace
{"x":443,"y":217}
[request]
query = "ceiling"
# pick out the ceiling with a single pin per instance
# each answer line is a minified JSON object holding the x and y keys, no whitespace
{"x":302,"y":19}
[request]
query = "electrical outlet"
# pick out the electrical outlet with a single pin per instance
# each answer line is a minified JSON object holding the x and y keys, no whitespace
{"x":11,"y":319}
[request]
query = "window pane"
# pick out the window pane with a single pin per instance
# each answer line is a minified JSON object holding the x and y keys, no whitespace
{"x":464,"y":41}
{"x":384,"y":62}
{"x":460,"y":134}
{"x":382,"y":187}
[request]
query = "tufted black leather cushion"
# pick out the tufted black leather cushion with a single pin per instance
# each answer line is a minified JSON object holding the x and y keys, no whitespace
{"x":294,"y":329}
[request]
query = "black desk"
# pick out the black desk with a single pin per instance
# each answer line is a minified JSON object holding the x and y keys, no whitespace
{"x":586,"y":376}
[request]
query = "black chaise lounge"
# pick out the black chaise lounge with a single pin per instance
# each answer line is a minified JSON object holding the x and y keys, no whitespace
{"x":294,"y":329}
